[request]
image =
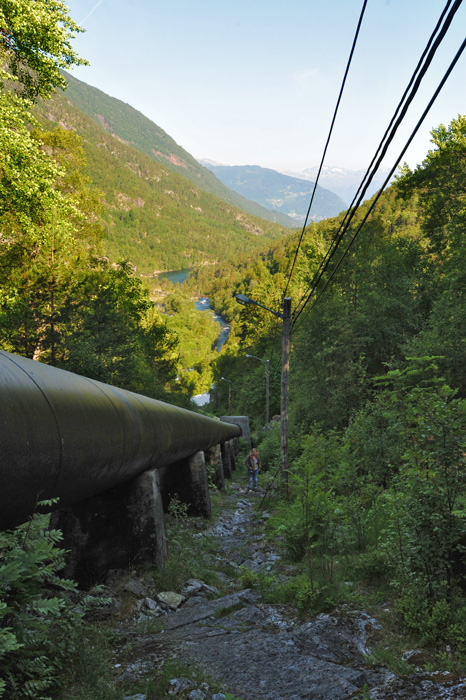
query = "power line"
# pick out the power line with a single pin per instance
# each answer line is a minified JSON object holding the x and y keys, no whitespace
{"x":380,"y":153}
{"x":364,"y":185}
{"x":395,"y":122}
{"x":405,"y":94}
{"x":274,"y":338}
{"x":388,"y":137}
{"x":408,"y":143}
{"x":327,"y":144}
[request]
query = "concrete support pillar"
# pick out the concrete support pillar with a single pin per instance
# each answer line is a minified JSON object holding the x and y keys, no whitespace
{"x":199,"y":485}
{"x":145,"y":510}
{"x":115,"y":529}
{"x":226,"y":459}
{"x":213,"y":458}
{"x":187,"y":479}
{"x":242,"y":422}
{"x":233,"y":452}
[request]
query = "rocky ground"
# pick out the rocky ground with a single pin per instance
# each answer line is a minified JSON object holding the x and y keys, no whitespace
{"x":253,"y":650}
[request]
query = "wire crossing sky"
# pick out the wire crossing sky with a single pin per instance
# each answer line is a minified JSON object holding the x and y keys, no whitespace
{"x":256,"y":81}
{"x":416,"y":80}
{"x":358,"y":230}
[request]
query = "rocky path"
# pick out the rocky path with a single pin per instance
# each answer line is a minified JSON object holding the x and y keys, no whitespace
{"x":265,"y":652}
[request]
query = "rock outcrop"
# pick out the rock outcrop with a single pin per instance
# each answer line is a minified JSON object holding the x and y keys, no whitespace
{"x":261,"y":651}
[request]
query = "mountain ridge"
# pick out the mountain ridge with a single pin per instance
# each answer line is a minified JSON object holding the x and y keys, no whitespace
{"x":131,"y":126}
{"x":279,"y":192}
{"x":154,"y":217}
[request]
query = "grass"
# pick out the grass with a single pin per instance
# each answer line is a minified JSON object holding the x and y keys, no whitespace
{"x":89,"y":675}
{"x":390,"y":657}
{"x":158,"y":687}
{"x":223,"y":612}
{"x":185,"y":561}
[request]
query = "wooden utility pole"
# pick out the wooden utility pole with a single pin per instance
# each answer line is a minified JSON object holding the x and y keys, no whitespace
{"x":285,"y":392}
{"x":267,"y":380}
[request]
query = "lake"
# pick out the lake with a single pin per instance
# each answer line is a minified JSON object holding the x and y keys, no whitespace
{"x":175,"y":276}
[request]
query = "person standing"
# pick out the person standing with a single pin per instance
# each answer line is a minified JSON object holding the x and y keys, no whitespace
{"x":253,"y":464}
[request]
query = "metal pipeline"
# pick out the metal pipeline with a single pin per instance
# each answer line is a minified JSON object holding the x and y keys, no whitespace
{"x":67,"y":436}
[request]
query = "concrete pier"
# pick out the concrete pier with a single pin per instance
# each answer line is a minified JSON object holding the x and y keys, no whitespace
{"x":116,"y":529}
{"x":227,"y":460}
{"x":242,"y":422}
{"x":213,"y":458}
{"x":124,"y":526}
{"x":187,"y":479}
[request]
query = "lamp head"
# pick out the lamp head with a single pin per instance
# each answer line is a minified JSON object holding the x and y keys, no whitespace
{"x":243,"y":299}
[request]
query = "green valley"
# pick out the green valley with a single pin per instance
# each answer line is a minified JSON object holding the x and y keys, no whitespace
{"x":369,"y":514}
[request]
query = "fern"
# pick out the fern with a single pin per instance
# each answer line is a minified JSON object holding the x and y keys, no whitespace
{"x":38,"y":621}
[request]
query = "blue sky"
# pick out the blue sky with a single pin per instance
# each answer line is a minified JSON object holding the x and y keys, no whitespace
{"x":256,"y":81}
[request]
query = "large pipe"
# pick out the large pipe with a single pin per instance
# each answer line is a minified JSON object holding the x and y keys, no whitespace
{"x":66,"y":436}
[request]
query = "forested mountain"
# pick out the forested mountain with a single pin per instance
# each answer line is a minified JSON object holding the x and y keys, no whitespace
{"x":155,"y":218}
{"x":278,"y":192}
{"x":131,"y":127}
{"x":67,"y":296}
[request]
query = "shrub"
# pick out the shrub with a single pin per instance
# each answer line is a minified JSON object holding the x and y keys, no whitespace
{"x":38,"y":618}
{"x":434,"y":622}
{"x":370,"y":567}
{"x":269,"y":448}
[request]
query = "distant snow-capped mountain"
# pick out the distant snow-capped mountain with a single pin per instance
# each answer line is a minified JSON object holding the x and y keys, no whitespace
{"x":342,"y":181}
{"x":277,"y":191}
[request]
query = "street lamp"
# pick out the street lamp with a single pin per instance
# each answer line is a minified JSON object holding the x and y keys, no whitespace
{"x":286,"y":318}
{"x":229,"y":393}
{"x":267,"y":373}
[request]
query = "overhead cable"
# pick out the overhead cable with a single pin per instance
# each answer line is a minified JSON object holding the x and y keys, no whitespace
{"x":395,"y":122}
{"x":408,"y":143}
{"x":326,"y":145}
{"x":366,"y":179}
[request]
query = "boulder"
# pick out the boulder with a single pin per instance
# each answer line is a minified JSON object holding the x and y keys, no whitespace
{"x":135,"y":587}
{"x":179,"y":685}
{"x":170,"y":599}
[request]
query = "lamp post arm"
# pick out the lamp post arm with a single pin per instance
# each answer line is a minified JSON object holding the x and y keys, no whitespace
{"x":244,"y":300}
{"x":275,"y":313}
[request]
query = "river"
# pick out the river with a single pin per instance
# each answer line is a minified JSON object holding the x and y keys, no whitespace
{"x":202,"y":304}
